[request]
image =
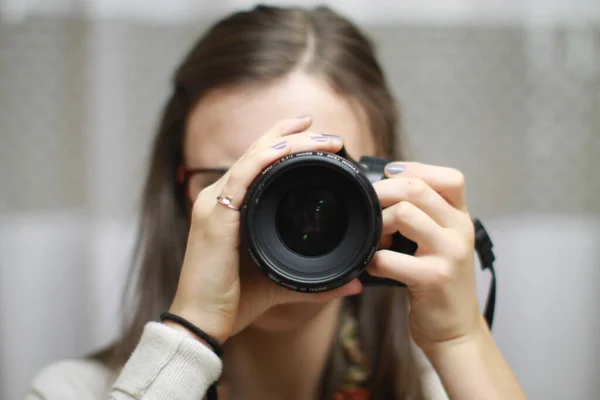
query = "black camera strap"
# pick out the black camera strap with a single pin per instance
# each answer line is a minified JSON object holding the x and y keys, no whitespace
{"x":374,"y":168}
{"x":483,"y":247}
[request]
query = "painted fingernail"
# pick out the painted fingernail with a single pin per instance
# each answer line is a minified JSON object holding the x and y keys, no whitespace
{"x":320,"y":138}
{"x":334,"y":138}
{"x":279,"y":145}
{"x":303,"y":116}
{"x":395,"y":168}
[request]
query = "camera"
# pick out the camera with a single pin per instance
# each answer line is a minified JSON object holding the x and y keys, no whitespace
{"x":311,"y":221}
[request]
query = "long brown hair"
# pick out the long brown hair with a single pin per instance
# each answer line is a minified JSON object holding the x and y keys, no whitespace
{"x":256,"y":46}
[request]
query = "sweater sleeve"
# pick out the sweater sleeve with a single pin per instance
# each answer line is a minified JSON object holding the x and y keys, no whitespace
{"x":167,"y":364}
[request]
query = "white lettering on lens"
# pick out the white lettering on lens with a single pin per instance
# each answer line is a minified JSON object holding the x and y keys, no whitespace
{"x":350,"y":165}
{"x":288,"y":285}
{"x":253,"y":257}
{"x":270,"y":167}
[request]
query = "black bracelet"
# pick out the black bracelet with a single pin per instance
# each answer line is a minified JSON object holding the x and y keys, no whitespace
{"x":194,"y":329}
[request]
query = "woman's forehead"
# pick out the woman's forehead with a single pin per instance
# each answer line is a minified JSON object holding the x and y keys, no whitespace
{"x":227,"y":121}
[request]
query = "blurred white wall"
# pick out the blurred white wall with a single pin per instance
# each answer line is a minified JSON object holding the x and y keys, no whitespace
{"x":509,"y":92}
{"x":373,"y":12}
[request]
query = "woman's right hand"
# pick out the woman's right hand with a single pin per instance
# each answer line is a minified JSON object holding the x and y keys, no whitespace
{"x":212,"y":294}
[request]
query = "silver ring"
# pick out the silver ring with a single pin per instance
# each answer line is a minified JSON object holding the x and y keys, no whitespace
{"x":226,"y":201}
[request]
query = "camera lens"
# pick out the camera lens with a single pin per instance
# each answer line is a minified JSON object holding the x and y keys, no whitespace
{"x":311,"y":221}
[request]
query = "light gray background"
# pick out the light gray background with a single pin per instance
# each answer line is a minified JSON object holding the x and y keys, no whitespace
{"x":515,"y":107}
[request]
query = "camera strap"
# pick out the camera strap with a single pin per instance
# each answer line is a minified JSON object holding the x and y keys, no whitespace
{"x":374,"y":167}
{"x":483,"y":247}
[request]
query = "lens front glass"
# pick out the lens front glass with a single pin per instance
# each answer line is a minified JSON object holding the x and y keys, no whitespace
{"x":310,"y":221}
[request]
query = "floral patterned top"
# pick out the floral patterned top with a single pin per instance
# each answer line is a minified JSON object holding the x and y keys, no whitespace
{"x":355,"y":384}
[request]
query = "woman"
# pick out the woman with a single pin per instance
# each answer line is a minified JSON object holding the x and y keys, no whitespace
{"x":250,"y":70}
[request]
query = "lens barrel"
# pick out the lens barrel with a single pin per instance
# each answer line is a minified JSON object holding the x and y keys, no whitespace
{"x":311,"y":221}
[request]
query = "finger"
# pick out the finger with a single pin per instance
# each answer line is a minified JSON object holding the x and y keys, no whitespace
{"x":243,"y":172}
{"x":288,"y":126}
{"x":418,"y":192}
{"x":448,"y":182}
{"x":282,"y":128}
{"x":415,"y":225}
{"x":401,"y":267}
{"x":299,"y":142}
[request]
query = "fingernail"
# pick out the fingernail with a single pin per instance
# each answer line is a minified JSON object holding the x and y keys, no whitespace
{"x":334,"y":138}
{"x":303,"y":116}
{"x":320,"y":138}
{"x":279,"y":145}
{"x":394,"y":168}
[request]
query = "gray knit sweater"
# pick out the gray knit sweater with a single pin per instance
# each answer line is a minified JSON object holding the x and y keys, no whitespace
{"x":166,"y":365}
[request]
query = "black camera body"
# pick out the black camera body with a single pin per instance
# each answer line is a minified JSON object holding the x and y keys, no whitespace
{"x":311,"y":221}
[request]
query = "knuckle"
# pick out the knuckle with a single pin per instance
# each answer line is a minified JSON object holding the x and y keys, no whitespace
{"x":402,"y":211}
{"x":460,"y":252}
{"x":442,"y":276}
{"x":458,"y":179}
{"x":470,"y":232}
{"x":200,"y":210}
{"x":236,"y":176}
{"x":417,"y":188}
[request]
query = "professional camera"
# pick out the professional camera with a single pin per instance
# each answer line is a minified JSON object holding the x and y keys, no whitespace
{"x":311,"y":221}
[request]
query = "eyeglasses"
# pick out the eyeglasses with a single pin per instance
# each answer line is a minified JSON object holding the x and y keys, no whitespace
{"x":196,"y":179}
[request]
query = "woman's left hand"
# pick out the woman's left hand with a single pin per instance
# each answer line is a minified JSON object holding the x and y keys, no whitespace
{"x":426,"y":204}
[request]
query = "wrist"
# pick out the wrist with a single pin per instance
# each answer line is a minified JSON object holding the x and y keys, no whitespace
{"x":206,"y":323}
{"x":472,"y":367}
{"x":193,"y":329}
{"x":183,"y":329}
{"x":473,"y":343}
